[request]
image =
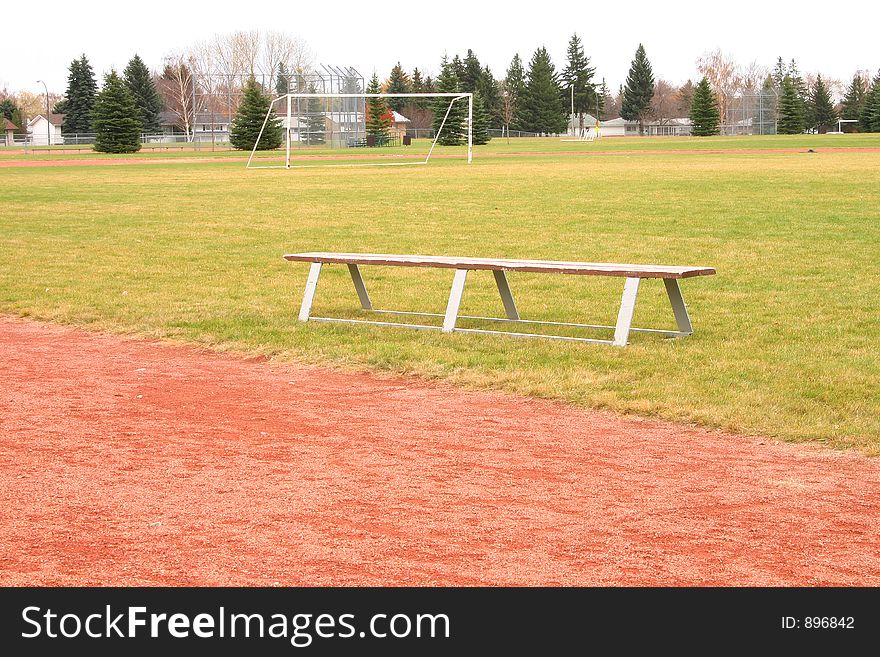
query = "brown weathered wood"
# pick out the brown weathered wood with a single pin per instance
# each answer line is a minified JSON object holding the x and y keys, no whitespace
{"x":550,"y":266}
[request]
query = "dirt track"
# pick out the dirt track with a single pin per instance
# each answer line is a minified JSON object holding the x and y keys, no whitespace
{"x":132,"y":462}
{"x":105,"y":161}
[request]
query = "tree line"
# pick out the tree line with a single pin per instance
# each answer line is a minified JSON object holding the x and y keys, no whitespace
{"x":533,"y":97}
{"x":538,"y":98}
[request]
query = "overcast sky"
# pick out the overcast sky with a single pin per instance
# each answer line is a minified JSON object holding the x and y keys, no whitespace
{"x":40,"y":43}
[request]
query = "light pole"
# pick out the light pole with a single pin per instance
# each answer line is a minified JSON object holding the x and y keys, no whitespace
{"x":48,"y":122}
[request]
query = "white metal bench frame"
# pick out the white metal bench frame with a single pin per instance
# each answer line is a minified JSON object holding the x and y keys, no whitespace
{"x":622,"y":328}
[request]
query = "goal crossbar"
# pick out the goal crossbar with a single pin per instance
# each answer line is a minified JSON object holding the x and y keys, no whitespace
{"x":289,"y":97}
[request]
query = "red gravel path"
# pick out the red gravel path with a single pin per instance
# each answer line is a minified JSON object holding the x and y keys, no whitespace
{"x":130,"y":462}
{"x":104,"y":161}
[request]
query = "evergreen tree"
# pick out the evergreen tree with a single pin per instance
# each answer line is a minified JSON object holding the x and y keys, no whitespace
{"x":418,"y":87}
{"x":791,"y":109}
{"x":799,"y":84}
{"x":430,"y":85}
{"x":60,"y":107}
{"x":704,"y":110}
{"x":18,"y":119}
{"x":116,"y":118}
{"x":398,"y":83}
{"x":778,"y":73}
{"x":639,"y":90}
{"x":515,"y":85}
{"x":471,"y":72}
{"x":316,"y":125}
{"x":249,"y":119}
{"x":81,"y":90}
{"x":854,"y":100}
{"x":282,"y":80}
{"x":541,"y":106}
{"x":378,"y":113}
{"x":605,"y":101}
{"x":801,"y":90}
{"x":459,"y":69}
{"x":351,"y":84}
{"x":488,"y":89}
{"x":146,"y":97}
{"x":481,"y":120}
{"x":874,"y":112}
{"x":7,"y":108}
{"x":454,"y":130}
{"x":578,"y":74}
{"x":822,"y":114}
{"x":869,"y":117}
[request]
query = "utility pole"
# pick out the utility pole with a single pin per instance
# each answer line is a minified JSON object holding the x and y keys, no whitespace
{"x":48,"y":121}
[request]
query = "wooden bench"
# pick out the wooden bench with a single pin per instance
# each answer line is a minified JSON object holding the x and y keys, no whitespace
{"x":632,"y":273}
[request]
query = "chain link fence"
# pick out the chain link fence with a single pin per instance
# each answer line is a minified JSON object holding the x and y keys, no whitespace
{"x":752,"y":113}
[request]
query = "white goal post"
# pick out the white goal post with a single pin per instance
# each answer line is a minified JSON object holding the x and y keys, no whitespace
{"x":287,"y":102}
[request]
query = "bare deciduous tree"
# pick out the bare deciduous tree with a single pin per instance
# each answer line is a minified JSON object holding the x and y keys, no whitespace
{"x":724,"y":76}
{"x":612,"y":109}
{"x":238,"y":52}
{"x":31,"y":104}
{"x":506,"y":106}
{"x":208,"y":76}
{"x":752,"y":76}
{"x":245,"y":53}
{"x":664,"y":105}
{"x":176,"y":85}
{"x":281,"y":48}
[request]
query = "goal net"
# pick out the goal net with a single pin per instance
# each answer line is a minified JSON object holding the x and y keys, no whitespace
{"x":343,"y":129}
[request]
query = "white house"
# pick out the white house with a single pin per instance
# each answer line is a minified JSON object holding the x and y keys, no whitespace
{"x":205,"y":127}
{"x":42,"y":131}
{"x":670,"y":128}
{"x":620,"y":127}
{"x":613,"y":127}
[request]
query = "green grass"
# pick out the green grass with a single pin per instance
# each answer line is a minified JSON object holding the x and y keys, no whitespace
{"x":787,"y":340}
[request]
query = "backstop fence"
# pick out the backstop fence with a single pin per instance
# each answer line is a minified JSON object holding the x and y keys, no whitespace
{"x":751,"y":113}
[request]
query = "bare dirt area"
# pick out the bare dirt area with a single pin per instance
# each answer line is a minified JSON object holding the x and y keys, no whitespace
{"x":105,"y":161}
{"x":132,"y":462}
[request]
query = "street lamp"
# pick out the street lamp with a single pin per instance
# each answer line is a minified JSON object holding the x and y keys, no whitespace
{"x":48,"y":121}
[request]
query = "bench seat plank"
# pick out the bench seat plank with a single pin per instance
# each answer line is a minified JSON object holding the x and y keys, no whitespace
{"x":496,"y":264}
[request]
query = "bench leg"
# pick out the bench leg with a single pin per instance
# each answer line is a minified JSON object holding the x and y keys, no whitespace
{"x":454,"y":300}
{"x":625,"y":316}
{"x":506,"y":294}
{"x":682,"y":318}
{"x":309,"y":296}
{"x":358,"y":281}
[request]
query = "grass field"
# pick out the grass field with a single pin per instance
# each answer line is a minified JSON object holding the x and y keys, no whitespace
{"x":787,"y":340}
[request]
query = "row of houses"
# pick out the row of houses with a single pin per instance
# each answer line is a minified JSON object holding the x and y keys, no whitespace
{"x":207,"y":126}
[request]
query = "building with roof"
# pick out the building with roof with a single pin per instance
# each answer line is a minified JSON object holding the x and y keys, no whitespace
{"x":620,"y":127}
{"x":206,"y":127}
{"x":399,"y":125}
{"x":44,"y":131}
{"x":9,"y":129}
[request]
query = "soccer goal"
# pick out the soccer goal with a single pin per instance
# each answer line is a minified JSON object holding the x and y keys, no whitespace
{"x":588,"y":133}
{"x":313,"y":123}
